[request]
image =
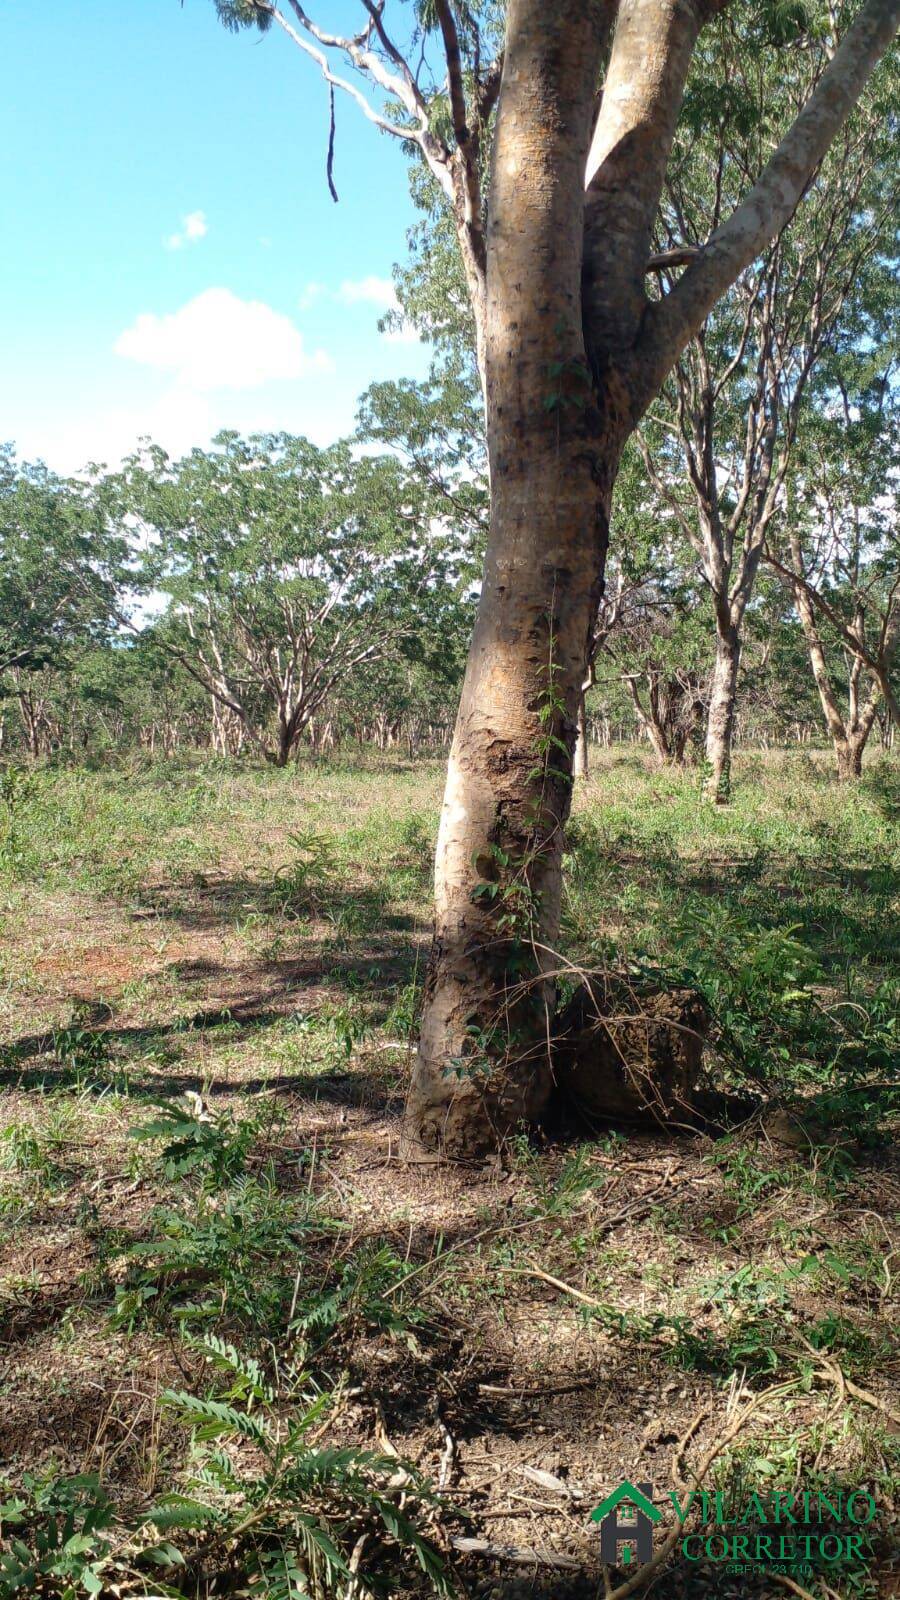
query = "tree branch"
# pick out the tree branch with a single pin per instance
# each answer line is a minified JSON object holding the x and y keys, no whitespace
{"x":626,"y":164}
{"x":771,"y":203}
{"x":401,"y":85}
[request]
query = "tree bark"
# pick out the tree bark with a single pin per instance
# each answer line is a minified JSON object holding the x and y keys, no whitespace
{"x":483,"y":1062}
{"x":722,"y":703}
{"x":849,"y":756}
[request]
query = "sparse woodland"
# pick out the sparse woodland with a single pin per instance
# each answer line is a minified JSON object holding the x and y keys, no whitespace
{"x":450,"y":878}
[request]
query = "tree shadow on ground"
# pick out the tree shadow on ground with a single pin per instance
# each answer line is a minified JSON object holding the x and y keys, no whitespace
{"x":251,"y":998}
{"x":207,"y":901}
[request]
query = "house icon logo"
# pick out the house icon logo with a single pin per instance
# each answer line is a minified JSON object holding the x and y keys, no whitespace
{"x":634,"y":1529}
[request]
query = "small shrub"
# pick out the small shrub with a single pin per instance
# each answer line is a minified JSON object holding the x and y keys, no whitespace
{"x":79,"y":1047}
{"x":233,"y":1257}
{"x":214,"y":1148}
{"x":56,"y":1538}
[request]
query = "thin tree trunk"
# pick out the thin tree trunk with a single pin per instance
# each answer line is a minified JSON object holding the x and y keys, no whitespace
{"x":848,"y":736}
{"x":648,"y":721}
{"x":282,"y":752}
{"x":722,"y":703}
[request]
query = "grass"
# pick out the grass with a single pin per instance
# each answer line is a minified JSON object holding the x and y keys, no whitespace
{"x":208,"y":987}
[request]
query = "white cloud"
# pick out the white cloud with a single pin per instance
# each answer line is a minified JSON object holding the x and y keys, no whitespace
{"x":218,"y":341}
{"x":177,"y":419}
{"x":194,"y":227}
{"x":370,"y":291}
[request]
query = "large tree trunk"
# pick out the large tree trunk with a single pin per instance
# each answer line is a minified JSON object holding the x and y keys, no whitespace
{"x":722,"y":704}
{"x":483,"y":1060}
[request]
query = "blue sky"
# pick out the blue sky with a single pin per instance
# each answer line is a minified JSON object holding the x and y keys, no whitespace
{"x":172,"y":261}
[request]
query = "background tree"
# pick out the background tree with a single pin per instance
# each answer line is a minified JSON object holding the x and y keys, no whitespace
{"x":59,"y":568}
{"x":288,"y":568}
{"x":650,"y":634}
{"x":838,"y":549}
{"x":720,"y":439}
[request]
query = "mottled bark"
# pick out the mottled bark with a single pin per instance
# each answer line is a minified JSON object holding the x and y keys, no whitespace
{"x":483,"y":1062}
{"x":626,"y":166}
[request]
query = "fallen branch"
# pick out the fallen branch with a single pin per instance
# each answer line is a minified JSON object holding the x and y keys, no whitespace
{"x":560,"y":1284}
{"x":678,"y":1459}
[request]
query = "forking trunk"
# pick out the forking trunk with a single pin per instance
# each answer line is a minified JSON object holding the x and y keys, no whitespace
{"x":557,"y":423}
{"x":483,"y":1058}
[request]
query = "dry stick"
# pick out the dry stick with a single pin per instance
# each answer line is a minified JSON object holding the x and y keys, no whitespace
{"x":506,"y":1391}
{"x":448,"y":1455}
{"x":557,"y":1283}
{"x":630,"y":1213}
{"x":788,"y":1583}
{"x":866,"y":1396}
{"x":499,"y":1516}
{"x":678,"y":1459}
{"x":519,"y":1555}
{"x":355,"y":1590}
{"x":846,"y":1385}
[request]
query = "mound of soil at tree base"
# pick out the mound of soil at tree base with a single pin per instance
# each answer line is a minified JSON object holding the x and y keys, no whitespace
{"x":627,"y":1048}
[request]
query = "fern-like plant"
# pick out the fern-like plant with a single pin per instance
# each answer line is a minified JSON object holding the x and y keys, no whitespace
{"x":289,"y":1512}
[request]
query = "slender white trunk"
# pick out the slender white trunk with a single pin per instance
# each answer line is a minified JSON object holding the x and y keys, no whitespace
{"x":722,"y":704}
